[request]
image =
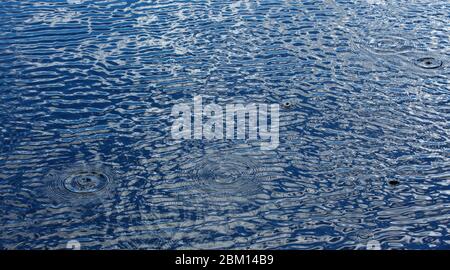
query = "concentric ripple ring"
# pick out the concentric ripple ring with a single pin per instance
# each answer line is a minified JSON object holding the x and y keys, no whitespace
{"x":227,"y":175}
{"x":86,"y":182}
{"x":80,"y":184}
{"x":388,"y":44}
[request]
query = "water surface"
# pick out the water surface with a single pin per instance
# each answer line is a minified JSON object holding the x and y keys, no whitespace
{"x":86,"y":91}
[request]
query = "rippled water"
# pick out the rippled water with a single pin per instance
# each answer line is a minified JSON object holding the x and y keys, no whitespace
{"x":87,"y":88}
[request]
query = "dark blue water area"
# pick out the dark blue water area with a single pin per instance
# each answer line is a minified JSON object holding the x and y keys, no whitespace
{"x":87,"y":157}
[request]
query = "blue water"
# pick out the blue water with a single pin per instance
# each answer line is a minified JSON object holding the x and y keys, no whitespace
{"x":86,"y":93}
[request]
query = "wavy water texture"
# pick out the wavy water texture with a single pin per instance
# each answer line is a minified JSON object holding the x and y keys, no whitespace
{"x":86,"y":93}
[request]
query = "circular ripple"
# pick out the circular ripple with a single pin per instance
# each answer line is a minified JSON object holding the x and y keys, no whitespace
{"x":86,"y":182}
{"x":80,"y":184}
{"x":387,"y":44}
{"x":227,"y":175}
{"x":428,"y":63}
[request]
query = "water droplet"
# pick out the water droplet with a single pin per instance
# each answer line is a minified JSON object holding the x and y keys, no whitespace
{"x":394,"y":182}
{"x":288,"y":104}
{"x":428,"y":62}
